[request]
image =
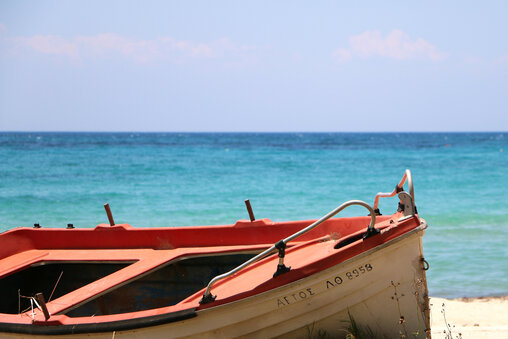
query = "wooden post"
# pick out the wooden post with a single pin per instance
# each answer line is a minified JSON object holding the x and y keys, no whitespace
{"x":40,"y":300}
{"x":110,"y":216}
{"x":249,"y":209}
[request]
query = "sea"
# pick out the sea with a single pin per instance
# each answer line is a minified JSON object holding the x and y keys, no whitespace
{"x":187,"y":179}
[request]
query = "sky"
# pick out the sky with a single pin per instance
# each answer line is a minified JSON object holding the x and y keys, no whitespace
{"x":236,"y":66}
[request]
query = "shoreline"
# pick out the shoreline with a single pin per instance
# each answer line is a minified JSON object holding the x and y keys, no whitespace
{"x":481,"y":317}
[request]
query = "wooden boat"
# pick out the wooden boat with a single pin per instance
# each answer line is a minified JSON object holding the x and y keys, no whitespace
{"x":258,"y":278}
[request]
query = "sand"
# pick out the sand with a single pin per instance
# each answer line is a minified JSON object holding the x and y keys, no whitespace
{"x":470,"y":317}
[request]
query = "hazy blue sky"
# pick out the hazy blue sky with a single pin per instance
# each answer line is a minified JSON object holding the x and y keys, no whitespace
{"x":253,"y":66}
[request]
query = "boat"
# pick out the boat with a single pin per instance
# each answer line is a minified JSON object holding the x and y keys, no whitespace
{"x":330,"y":277}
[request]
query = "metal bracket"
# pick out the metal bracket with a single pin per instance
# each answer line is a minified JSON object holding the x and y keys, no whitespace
{"x":207,"y":298}
{"x":407,"y":205}
{"x":281,"y":268}
{"x":370,"y":232}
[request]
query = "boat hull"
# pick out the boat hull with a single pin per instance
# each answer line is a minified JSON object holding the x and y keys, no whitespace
{"x":379,"y":293}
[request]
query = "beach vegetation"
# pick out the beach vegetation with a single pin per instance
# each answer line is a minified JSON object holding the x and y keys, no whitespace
{"x":448,"y":330}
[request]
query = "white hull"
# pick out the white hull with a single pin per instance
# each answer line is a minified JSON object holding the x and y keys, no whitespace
{"x":376,"y":288}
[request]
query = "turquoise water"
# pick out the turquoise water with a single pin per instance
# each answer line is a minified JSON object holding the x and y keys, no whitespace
{"x":175,"y":179}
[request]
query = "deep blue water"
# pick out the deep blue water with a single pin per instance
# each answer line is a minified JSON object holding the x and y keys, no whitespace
{"x":170,"y":179}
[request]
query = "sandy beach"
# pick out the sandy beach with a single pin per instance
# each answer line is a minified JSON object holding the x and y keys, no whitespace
{"x":470,"y":317}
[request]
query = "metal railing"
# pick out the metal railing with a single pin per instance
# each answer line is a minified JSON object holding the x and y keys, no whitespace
{"x":207,"y":297}
{"x":407,"y":176}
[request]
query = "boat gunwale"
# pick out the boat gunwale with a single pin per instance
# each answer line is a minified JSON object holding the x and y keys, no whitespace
{"x":50,"y":328}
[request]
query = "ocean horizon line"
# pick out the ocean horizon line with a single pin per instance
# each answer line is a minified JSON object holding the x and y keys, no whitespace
{"x":258,"y":132}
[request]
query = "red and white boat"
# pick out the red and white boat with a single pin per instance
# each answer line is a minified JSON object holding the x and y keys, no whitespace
{"x":258,"y":279}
